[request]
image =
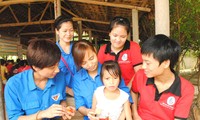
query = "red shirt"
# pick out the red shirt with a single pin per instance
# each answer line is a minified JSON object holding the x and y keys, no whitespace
{"x":172,"y":103}
{"x":129,"y":57}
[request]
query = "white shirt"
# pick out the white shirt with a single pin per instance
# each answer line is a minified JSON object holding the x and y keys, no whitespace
{"x":111,"y":108}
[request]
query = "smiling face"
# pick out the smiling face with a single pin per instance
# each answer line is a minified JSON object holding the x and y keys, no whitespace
{"x":110,"y":80}
{"x":152,"y":67}
{"x":118,"y":36}
{"x":90,"y":61}
{"x":66,"y":32}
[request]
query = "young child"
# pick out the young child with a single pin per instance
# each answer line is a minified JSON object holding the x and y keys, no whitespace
{"x":87,"y":79}
{"x":163,"y":94}
{"x":109,"y":100}
{"x":38,"y":93}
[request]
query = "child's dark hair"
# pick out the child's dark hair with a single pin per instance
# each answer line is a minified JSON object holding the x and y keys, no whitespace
{"x":120,"y":21}
{"x":61,"y":19}
{"x":162,"y":48}
{"x":43,"y":53}
{"x":112,"y":67}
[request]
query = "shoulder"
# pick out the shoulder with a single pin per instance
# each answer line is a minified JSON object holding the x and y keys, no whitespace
{"x":80,"y":75}
{"x":140,"y":73}
{"x":103,"y":47}
{"x":101,"y":88}
{"x":124,"y":93}
{"x":19,"y":79}
{"x":185,"y":84}
{"x":134,"y":45}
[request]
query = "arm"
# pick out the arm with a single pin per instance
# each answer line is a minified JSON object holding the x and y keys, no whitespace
{"x":51,"y":112}
{"x":69,"y":91}
{"x":127,"y":110}
{"x":92,"y":114}
{"x":94,"y":102}
{"x":134,"y":106}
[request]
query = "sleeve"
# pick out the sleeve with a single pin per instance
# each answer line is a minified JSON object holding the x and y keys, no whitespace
{"x":125,"y":96}
{"x":13,"y":105}
{"x":182,"y":108}
{"x":79,"y":100}
{"x":101,"y":54}
{"x":136,"y":55}
{"x":123,"y":87}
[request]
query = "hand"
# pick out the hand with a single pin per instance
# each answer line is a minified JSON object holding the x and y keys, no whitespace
{"x":92,"y":116}
{"x":137,"y":117}
{"x":69,"y":111}
{"x":53,"y":111}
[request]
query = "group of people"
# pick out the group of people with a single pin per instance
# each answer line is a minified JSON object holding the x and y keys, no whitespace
{"x":120,"y":81}
{"x":9,"y":68}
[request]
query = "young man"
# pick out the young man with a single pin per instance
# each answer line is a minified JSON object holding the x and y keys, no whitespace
{"x":163,"y":95}
{"x":38,"y":93}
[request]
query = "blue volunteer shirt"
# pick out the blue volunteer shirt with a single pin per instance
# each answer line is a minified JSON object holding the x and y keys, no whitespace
{"x":23,"y":97}
{"x":70,"y":61}
{"x":84,"y":87}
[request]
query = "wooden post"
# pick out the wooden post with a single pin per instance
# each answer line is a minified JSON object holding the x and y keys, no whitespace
{"x":96,"y":44}
{"x":2,"y":110}
{"x":19,"y":50}
{"x":135,"y":26}
{"x":80,"y":31}
{"x":57,"y":11}
{"x":90,"y":35}
{"x":162,"y":24}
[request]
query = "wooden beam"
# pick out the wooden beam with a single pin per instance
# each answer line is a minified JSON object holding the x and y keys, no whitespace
{"x":38,"y":33}
{"x":14,"y":14}
{"x":48,"y":22}
{"x":44,"y":11}
{"x":29,"y":12}
{"x":68,"y":11}
{"x":3,"y":8}
{"x":88,"y":20}
{"x":112,"y":5}
{"x":50,"y":32}
{"x":12,"y":2}
{"x":26,"y":23}
{"x":96,"y":30}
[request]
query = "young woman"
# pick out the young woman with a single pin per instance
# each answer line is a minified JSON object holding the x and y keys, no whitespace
{"x":126,"y":53}
{"x":87,"y":79}
{"x":65,"y":31}
{"x":38,"y":93}
{"x":109,"y":100}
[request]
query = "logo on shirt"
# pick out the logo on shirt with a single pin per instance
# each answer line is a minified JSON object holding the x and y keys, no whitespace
{"x":55,"y":97}
{"x":171,"y":100}
{"x":124,"y":57}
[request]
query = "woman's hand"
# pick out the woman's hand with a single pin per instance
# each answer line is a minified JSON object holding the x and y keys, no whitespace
{"x":92,"y":116}
{"x":69,"y":111}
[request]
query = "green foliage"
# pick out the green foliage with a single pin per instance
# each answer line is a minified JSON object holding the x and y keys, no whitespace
{"x":185,"y":24}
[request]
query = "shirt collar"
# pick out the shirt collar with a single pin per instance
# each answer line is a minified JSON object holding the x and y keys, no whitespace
{"x":175,"y":88}
{"x":31,"y":82}
{"x":85,"y":75}
{"x":126,"y":46}
{"x":71,"y":44}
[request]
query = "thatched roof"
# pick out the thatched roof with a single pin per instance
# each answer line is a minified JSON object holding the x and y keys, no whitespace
{"x":28,"y":19}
